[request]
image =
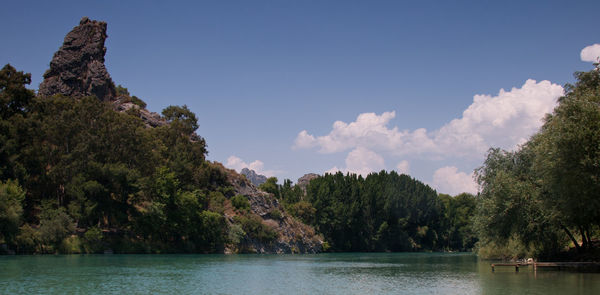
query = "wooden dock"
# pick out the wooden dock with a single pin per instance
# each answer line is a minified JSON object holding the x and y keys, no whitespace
{"x":557,"y":265}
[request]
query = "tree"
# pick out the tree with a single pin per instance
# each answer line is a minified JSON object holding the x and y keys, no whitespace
{"x":567,"y":158}
{"x":11,"y":210}
{"x":549,"y":189}
{"x":181,"y":118}
{"x":14,"y":97}
{"x":270,"y":186}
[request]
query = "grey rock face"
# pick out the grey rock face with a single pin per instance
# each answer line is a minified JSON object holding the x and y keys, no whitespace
{"x":151,"y":119}
{"x":293,"y":235}
{"x":77,"y":68}
{"x":305,"y":180}
{"x":255,"y":178}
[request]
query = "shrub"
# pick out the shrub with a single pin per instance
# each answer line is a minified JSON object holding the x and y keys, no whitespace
{"x":11,"y":210}
{"x":276,"y":214}
{"x":236,"y":234}
{"x":255,"y":229}
{"x":70,"y":245}
{"x":28,"y":240}
{"x":240,"y":202}
{"x":216,"y":201}
{"x":93,"y":240}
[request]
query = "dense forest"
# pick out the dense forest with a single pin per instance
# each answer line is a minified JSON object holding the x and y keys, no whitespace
{"x":77,"y":176}
{"x":381,"y":212}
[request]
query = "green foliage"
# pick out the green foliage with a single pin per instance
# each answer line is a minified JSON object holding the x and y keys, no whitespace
{"x":543,"y":194}
{"x":253,"y":226}
{"x":513,"y":249}
{"x":122,"y":91}
{"x":14,"y":96}
{"x":240,"y":202}
{"x":384,"y":211}
{"x":303,"y":210}
{"x":11,"y":210}
{"x":84,"y":165}
{"x":71,"y":245}
{"x":270,"y":186}
{"x":217,"y":202}
{"x":567,"y":157}
{"x":236,"y":234}
{"x":55,"y":224}
{"x":93,"y":240}
{"x":181,"y":118}
{"x":28,"y":240}
{"x":138,"y":101}
{"x":458,"y":233}
{"x":276,"y":214}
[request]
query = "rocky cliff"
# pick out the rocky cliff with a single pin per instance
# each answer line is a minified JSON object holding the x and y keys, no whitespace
{"x":254,"y":177}
{"x":77,"y":68}
{"x":305,"y":180}
{"x":293,"y":235}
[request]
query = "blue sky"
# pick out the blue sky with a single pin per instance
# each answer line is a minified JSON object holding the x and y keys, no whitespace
{"x":268,"y":79}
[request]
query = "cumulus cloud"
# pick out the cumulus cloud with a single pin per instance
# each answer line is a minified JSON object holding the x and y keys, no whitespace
{"x":590,"y":53}
{"x":361,"y":161}
{"x":449,"y":180}
{"x":238,"y":164}
{"x":504,"y":120}
{"x":403,"y":167}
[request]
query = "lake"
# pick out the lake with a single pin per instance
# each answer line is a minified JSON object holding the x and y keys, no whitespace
{"x":339,"y":273}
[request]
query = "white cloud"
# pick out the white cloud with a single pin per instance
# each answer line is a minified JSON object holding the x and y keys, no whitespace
{"x":304,"y":140}
{"x":361,"y":161}
{"x":364,"y":161}
{"x":403,"y":167}
{"x":590,"y":53}
{"x":504,"y":120}
{"x":238,"y":164}
{"x":449,"y":180}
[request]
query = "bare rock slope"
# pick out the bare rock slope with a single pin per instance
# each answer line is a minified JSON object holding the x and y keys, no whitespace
{"x":293,"y":235}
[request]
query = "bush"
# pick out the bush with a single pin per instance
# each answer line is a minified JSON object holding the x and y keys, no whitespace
{"x":93,"y":240}
{"x":303,"y":210}
{"x":11,"y":210}
{"x":55,"y":224}
{"x":71,"y":245}
{"x":28,"y":240}
{"x":216,"y":201}
{"x":255,"y":229}
{"x":240,"y":202}
{"x":276,"y":214}
{"x":236,"y":234}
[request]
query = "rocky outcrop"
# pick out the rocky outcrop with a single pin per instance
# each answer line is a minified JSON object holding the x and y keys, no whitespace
{"x":305,"y":180}
{"x":293,"y":235}
{"x":254,"y":178}
{"x":151,"y":119}
{"x":77,"y":68}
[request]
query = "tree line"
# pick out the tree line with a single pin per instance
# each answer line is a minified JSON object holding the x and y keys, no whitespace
{"x":383,"y":211}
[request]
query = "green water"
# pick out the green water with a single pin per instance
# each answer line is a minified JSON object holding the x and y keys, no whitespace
{"x":347,"y":273}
